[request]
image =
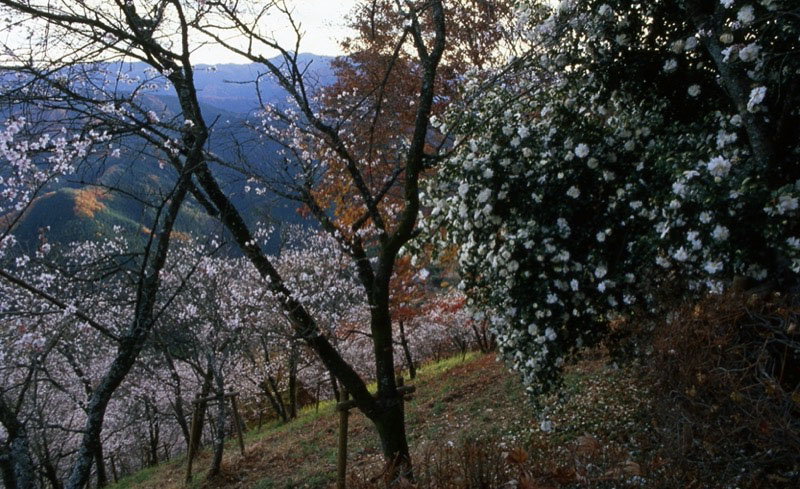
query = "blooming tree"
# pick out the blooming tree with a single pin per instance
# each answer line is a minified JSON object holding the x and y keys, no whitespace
{"x":68,"y":344}
{"x":635,"y":145}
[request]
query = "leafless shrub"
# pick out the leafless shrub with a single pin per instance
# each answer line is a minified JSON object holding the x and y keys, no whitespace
{"x":727,"y":379}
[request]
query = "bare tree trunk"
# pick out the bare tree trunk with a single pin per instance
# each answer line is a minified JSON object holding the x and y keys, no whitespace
{"x":152,"y":432}
{"x":412,"y":369}
{"x":391,"y":427}
{"x":274,"y":399}
{"x":271,"y":389}
{"x":201,"y":407}
{"x":100,"y":465}
{"x":389,"y":418}
{"x":49,"y":474}
{"x":293,"y":363}
{"x":219,"y":438}
{"x":177,"y":403}
{"x":483,"y":338}
{"x":7,"y":470}
{"x":17,"y":466}
{"x":114,"y":469}
{"x":334,"y":386}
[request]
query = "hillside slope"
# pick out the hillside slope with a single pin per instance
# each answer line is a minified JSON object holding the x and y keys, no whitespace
{"x":468,"y":421}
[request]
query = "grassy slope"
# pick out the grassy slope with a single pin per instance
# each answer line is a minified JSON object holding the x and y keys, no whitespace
{"x":456,"y":402}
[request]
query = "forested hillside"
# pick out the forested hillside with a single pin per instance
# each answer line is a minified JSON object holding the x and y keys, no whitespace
{"x":100,"y":196}
{"x":601,"y":194}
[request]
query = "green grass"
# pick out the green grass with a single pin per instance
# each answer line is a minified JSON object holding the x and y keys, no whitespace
{"x":465,"y":408}
{"x":450,"y":404}
{"x":135,"y":479}
{"x":438,"y":368}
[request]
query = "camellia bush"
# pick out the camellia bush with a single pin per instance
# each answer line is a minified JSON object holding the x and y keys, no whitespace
{"x":634,"y":146}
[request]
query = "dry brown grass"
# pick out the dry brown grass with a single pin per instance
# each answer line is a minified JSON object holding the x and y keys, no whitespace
{"x":470,"y":425}
{"x":727,"y":374}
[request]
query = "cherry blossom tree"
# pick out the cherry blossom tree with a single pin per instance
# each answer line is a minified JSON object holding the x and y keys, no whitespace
{"x":147,"y":31}
{"x":66,"y":360}
{"x":61,"y":59}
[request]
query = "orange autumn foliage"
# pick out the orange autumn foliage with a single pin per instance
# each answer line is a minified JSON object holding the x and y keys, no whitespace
{"x":377,"y":86}
{"x":88,"y":201}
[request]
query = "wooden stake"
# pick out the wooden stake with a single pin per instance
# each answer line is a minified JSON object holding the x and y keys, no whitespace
{"x":341,"y":458}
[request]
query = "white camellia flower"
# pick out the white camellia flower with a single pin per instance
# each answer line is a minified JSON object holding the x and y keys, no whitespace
{"x":745,"y":15}
{"x":727,"y":52}
{"x":694,"y":90}
{"x":582,"y":150}
{"x":681,"y":254}
{"x":484,"y":195}
{"x":756,"y":97}
{"x":720,"y":233}
{"x":712,"y":267}
{"x":574,"y":192}
{"x":749,"y":52}
{"x":787,"y":203}
{"x":719,"y":166}
{"x":670,"y":65}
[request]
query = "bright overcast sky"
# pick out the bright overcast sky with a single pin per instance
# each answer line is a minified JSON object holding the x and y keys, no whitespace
{"x":323,"y":22}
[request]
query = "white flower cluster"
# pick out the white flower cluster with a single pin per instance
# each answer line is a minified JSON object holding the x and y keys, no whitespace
{"x":558,"y":231}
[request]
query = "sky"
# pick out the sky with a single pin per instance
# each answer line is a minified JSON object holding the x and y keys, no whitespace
{"x":323,"y":22}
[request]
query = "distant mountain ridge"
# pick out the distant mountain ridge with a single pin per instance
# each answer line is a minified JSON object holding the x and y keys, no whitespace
{"x":82,"y":208}
{"x":232,"y":87}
